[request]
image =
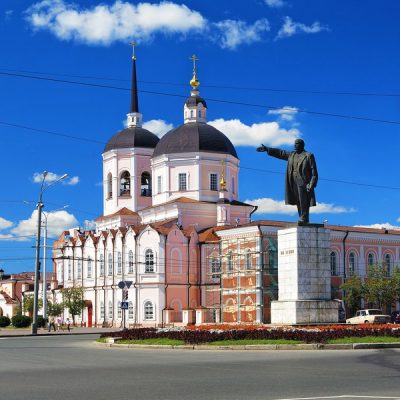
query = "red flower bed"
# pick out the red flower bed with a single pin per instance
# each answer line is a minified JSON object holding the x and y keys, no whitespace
{"x":311,"y":334}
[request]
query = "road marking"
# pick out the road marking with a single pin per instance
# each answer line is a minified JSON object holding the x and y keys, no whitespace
{"x":344,"y":396}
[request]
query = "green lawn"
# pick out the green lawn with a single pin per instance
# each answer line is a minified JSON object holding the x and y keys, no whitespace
{"x":155,"y":341}
{"x":365,"y":339}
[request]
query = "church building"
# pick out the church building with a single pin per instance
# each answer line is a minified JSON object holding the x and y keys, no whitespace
{"x":175,"y":245}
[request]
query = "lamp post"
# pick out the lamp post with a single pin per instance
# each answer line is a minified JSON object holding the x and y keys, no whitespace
{"x":39,"y":206}
{"x":44,"y":280}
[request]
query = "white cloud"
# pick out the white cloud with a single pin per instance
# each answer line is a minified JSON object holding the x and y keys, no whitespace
{"x":9,"y":14}
{"x":286,"y":113}
{"x":268,"y":133}
{"x":385,"y":225}
{"x":121,"y":21}
{"x":271,"y":206}
{"x":57,"y":222}
{"x":233,"y":33}
{"x":6,"y":237}
{"x":4,"y":224}
{"x":52,"y":177}
{"x":275,"y":3}
{"x":157,"y":126}
{"x":290,"y":28}
{"x":89,"y":225}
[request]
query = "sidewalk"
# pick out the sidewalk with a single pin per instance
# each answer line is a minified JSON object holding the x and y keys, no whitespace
{"x":43,"y":332}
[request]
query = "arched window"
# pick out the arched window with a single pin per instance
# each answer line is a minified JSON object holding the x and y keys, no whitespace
{"x":248,"y":260}
{"x":119,"y":263}
{"x":334,"y":266}
{"x":101,"y":261}
{"x":215,"y":267}
{"x":149,"y":261}
{"x":125,"y":184}
{"x":110,"y":310}
{"x":371,"y":259}
{"x":109,"y":186}
{"x":119,"y":311}
{"x":130,"y":262}
{"x":388,"y":263}
{"x":130,"y":310}
{"x":352,"y":263}
{"x":110,"y":264}
{"x":79,"y":269}
{"x":89,"y":267}
{"x":148,"y":310}
{"x":145,"y":184}
{"x":229,"y":262}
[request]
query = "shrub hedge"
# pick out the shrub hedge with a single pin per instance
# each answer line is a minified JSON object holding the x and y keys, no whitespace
{"x":4,"y":321}
{"x":307,"y":335}
{"x":20,"y":321}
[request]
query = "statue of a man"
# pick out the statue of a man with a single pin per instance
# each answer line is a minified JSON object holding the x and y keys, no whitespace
{"x":301,"y":177}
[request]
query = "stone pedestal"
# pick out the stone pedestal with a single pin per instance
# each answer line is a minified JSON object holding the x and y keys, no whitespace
{"x":304,"y":277}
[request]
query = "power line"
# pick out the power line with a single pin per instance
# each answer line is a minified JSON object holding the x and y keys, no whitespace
{"x":262,"y":89}
{"x":268,"y":107}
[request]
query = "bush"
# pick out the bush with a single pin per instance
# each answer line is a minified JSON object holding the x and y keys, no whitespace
{"x":41,"y":322}
{"x":4,"y":321}
{"x":20,"y":321}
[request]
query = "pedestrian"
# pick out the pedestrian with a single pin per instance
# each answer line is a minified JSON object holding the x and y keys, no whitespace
{"x":52,"y":323}
{"x":59,"y":323}
{"x":68,"y":323}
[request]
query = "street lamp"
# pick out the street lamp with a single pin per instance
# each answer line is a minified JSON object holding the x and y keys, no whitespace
{"x":44,"y":280}
{"x":39,"y":206}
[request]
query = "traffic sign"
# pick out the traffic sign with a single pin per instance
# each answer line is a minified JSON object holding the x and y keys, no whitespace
{"x":128,"y":284}
{"x":124,"y":305}
{"x":121,"y":284}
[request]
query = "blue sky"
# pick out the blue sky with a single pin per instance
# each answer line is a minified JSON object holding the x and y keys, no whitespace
{"x":270,"y":70}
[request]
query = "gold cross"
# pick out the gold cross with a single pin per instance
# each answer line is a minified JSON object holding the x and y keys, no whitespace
{"x":194,"y":59}
{"x":133,"y":44}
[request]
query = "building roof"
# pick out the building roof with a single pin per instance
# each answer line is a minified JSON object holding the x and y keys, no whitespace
{"x":194,"y":137}
{"x":122,"y":211}
{"x":132,"y":137}
{"x":192,"y":101}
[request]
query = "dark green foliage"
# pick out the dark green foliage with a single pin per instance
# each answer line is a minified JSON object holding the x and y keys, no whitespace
{"x":4,"y":321}
{"x":20,"y":321}
{"x":41,"y":322}
{"x":304,"y":335}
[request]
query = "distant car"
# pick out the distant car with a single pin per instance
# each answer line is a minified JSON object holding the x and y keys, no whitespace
{"x":369,"y":316}
{"x":395,"y":316}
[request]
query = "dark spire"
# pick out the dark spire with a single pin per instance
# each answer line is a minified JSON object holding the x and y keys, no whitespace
{"x":134,"y":94}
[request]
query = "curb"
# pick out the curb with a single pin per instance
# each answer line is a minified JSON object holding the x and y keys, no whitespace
{"x":311,"y":346}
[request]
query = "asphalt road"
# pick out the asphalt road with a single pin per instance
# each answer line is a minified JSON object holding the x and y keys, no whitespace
{"x":73,"y":367}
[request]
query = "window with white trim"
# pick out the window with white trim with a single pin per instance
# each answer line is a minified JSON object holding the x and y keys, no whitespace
{"x":125,"y":184}
{"x":182,"y":182}
{"x":215,"y":267}
{"x":69,"y":270}
{"x":148,"y":310}
{"x":130,"y":310}
{"x":159,"y":184}
{"x":79,"y":269}
{"x":102,"y":310}
{"x":388,"y":263}
{"x":119,"y":312}
{"x":109,"y":186}
{"x":89,"y":268}
{"x":130,"y":262}
{"x":110,"y":264}
{"x":352,"y":263}
{"x":248,"y":262}
{"x":101,"y":261}
{"x":229,"y":262}
{"x":149,"y":261}
{"x":371,"y":259}
{"x":214,"y":182}
{"x":119,"y":263}
{"x":110,"y":310}
{"x":334,"y":270}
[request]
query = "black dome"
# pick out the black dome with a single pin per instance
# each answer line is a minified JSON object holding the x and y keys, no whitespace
{"x":194,"y":137}
{"x":132,"y":137}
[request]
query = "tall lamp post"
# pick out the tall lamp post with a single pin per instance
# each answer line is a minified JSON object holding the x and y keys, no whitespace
{"x":44,"y":280}
{"x":39,"y":206}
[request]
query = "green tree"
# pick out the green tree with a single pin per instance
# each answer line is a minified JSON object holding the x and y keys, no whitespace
{"x":353,"y":292}
{"x":54,"y":309}
{"x":73,"y":300}
{"x":27,"y":305}
{"x":378,"y":288}
{"x":395,"y":281}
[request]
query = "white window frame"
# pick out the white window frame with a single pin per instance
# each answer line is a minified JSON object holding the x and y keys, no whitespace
{"x":149,"y":261}
{"x":333,"y":263}
{"x":110,"y":310}
{"x":110,"y":264}
{"x":102,"y":310}
{"x":119,"y":263}
{"x":159,"y":184}
{"x":213,"y":181}
{"x":148,"y":311}
{"x":101,"y":265}
{"x":248,"y":260}
{"x":89,"y":268}
{"x":182,"y":182}
{"x":130,"y":262}
{"x":79,"y":269}
{"x":119,"y":311}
